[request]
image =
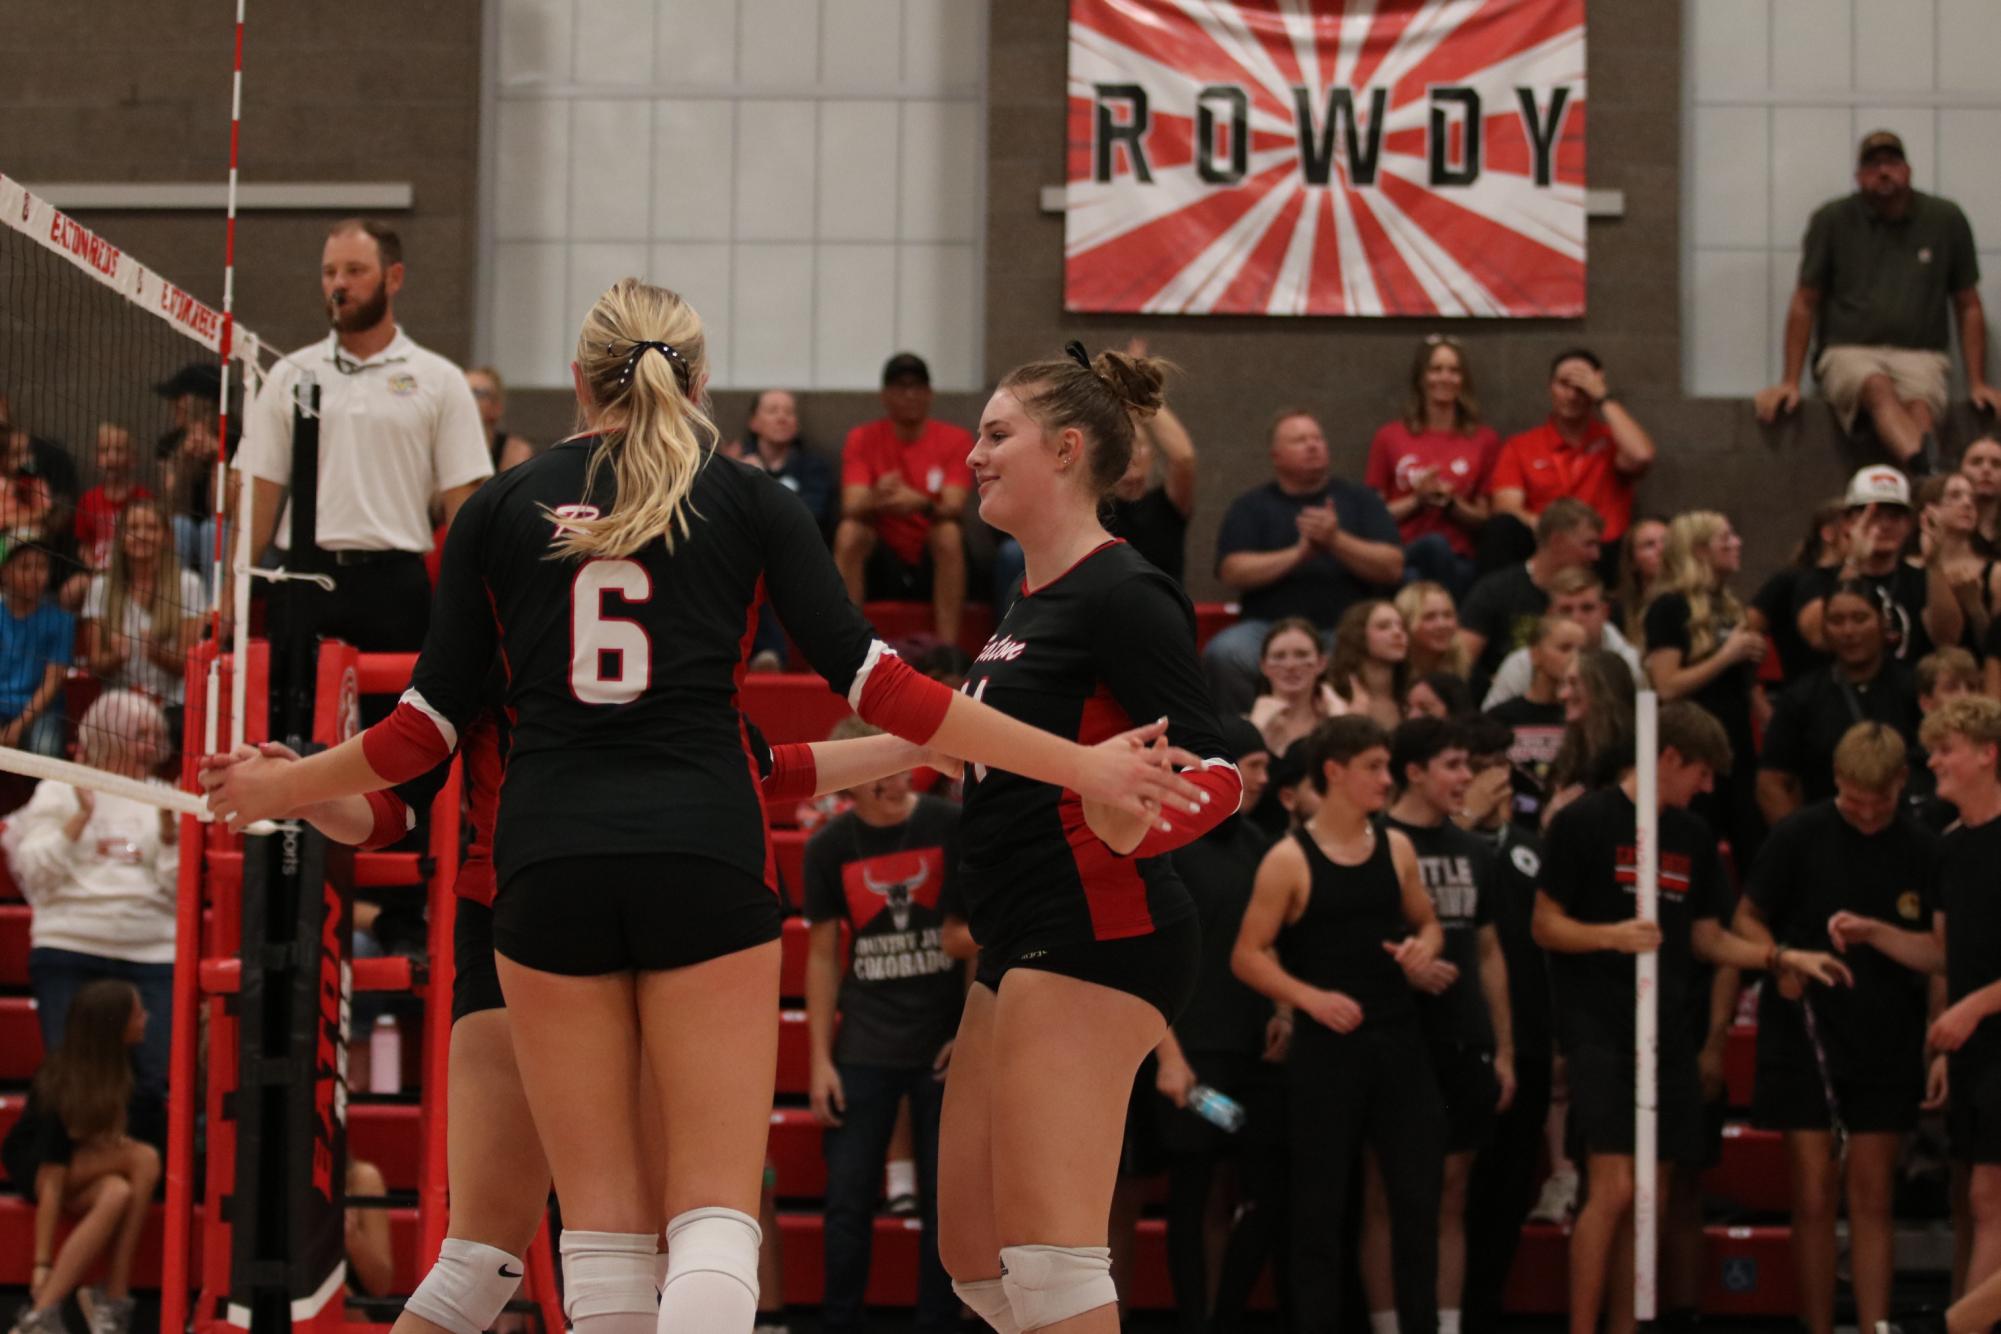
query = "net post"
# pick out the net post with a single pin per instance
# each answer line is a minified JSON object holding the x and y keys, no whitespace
{"x":1646,"y":1008}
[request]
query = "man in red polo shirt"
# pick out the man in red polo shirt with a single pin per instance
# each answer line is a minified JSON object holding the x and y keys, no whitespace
{"x":904,"y":482}
{"x":1590,"y":449}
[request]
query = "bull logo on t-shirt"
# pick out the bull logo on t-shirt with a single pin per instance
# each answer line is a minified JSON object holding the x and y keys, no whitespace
{"x":896,"y":893}
{"x":895,"y":883}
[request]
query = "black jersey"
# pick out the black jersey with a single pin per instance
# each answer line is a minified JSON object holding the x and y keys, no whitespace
{"x":1105,"y":646}
{"x":623,"y":675}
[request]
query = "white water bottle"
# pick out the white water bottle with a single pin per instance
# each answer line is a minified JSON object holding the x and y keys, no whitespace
{"x":1218,"y":1109}
{"x":385,"y":1057}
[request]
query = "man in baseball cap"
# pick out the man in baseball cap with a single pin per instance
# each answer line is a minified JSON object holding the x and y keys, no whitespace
{"x":1919,"y":609}
{"x":904,"y":483}
{"x":1886,"y":273}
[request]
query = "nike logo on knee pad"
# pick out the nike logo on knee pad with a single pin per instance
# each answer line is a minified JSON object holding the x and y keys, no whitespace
{"x":505,"y":1272}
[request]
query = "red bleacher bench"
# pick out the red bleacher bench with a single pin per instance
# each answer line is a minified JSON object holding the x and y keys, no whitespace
{"x":1754,"y":1175}
{"x":14,"y":919}
{"x":390,"y":1135}
{"x":1740,"y":1064}
{"x":17,"y":1243}
{"x":20,"y":1039}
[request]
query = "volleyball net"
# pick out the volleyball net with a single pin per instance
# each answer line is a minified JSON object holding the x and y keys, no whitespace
{"x":112,"y":390}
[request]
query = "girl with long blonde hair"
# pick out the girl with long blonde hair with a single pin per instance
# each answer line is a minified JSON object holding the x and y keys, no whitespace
{"x":617,"y":575}
{"x":1701,"y":645}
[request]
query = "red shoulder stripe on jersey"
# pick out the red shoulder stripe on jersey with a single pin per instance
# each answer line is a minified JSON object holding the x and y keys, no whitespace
{"x":794,"y":774}
{"x":899,"y":699}
{"x":406,"y":743}
{"x":392,"y":820}
{"x":1225,"y":786}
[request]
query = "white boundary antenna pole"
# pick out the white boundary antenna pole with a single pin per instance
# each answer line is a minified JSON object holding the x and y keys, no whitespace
{"x":1646,"y":1009}
{"x":220,"y":488}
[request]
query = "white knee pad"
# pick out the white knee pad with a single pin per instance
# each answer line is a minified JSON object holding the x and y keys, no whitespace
{"x":987,"y":1299}
{"x":468,"y":1286}
{"x":1046,"y":1284}
{"x":608,"y":1273}
{"x":713,"y":1241}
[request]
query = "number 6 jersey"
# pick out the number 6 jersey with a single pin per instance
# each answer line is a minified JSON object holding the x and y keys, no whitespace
{"x":623,"y":675}
{"x":1106,"y":646}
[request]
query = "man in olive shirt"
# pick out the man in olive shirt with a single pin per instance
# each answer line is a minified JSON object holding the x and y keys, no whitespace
{"x":1876,"y":273}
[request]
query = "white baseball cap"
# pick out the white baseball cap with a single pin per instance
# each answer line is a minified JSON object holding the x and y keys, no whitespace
{"x":1879,"y":484}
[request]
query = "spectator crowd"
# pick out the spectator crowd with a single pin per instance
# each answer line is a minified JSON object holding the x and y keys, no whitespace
{"x":1413,"y":1031}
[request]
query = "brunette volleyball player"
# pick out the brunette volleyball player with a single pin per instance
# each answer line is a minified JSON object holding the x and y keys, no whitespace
{"x":1088,"y":941}
{"x":617,"y":578}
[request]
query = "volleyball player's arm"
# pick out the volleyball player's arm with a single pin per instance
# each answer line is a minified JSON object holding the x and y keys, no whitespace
{"x":811,"y":601}
{"x":1145,"y":652}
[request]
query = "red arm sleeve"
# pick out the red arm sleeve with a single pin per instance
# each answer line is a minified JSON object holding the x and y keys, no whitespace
{"x":409,"y":741}
{"x":1225,"y":787}
{"x":793,"y":773}
{"x":392,"y":820}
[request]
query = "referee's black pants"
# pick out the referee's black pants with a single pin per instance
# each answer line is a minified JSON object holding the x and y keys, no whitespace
{"x":381,"y":603}
{"x":1502,"y":1190}
{"x":1373,"y":1087}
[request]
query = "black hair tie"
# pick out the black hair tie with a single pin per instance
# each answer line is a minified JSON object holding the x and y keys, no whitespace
{"x":640,"y":349}
{"x":1075,"y":351}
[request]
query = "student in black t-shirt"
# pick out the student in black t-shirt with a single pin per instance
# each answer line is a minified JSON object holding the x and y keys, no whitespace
{"x":1340,"y":928}
{"x":1500,"y":613}
{"x":1851,"y":872}
{"x":1502,"y":1186}
{"x":1585,"y":917}
{"x":1232,"y":1040}
{"x":1964,"y":739}
{"x":1861,"y":684}
{"x":1918,"y":605}
{"x":1464,"y":1002}
{"x":1538,"y":717}
{"x":881,"y":873}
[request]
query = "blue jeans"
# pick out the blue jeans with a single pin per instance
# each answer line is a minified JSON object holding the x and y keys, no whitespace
{"x":856,"y":1150}
{"x":57,"y":975}
{"x":1432,"y":557}
{"x":48,"y":734}
{"x":194,"y":542}
{"x":1231,"y":663}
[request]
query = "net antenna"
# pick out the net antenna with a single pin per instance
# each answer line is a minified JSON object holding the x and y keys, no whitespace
{"x":107,"y":446}
{"x":1646,"y":1007}
{"x":240,"y":613}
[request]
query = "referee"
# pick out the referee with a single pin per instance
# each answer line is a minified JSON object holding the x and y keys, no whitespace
{"x":398,"y":429}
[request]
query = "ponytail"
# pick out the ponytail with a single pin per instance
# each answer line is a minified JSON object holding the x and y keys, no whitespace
{"x":644,"y":360}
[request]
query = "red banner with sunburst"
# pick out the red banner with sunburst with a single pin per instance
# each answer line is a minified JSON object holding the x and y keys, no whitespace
{"x":1326,"y":157}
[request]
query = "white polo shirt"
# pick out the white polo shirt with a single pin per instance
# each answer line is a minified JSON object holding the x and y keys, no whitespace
{"x":395,"y":430}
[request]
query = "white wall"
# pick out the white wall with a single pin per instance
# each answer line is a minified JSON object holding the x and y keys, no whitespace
{"x":809,"y":173}
{"x":1778,"y":94}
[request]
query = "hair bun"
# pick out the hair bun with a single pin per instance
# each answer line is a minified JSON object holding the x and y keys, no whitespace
{"x":1136,"y":380}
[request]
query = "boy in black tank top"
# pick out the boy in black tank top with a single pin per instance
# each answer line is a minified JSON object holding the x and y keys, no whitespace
{"x":1584,"y":915}
{"x":1338,"y":927}
{"x":1462,"y":1005}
